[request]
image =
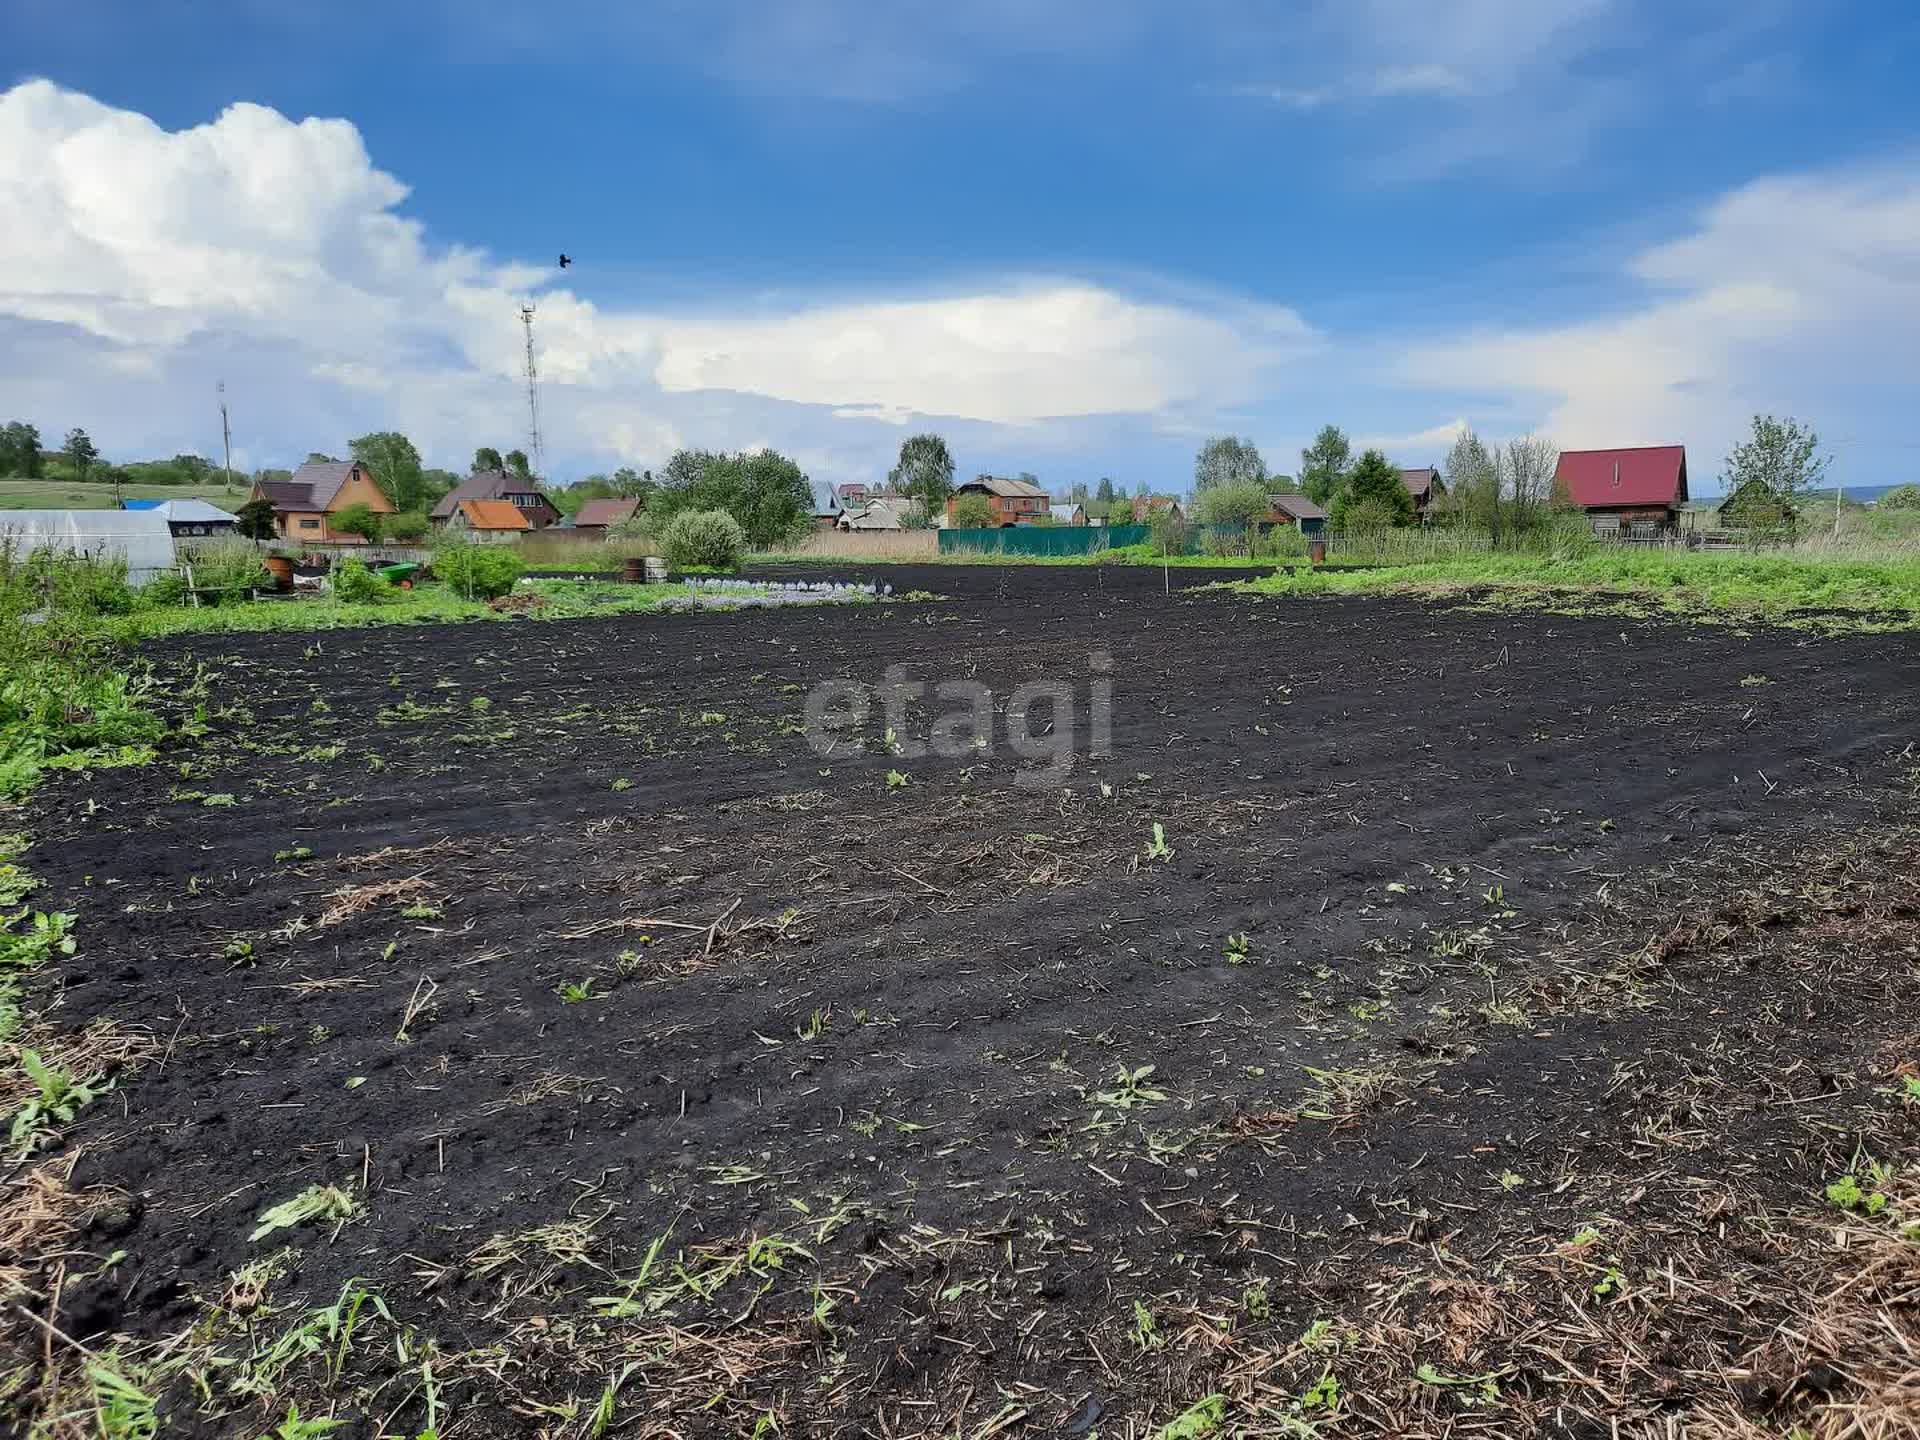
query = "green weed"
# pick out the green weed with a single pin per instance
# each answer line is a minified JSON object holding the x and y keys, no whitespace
{"x":59,"y":1096}
{"x":314,"y":1204}
{"x":1130,"y":1089}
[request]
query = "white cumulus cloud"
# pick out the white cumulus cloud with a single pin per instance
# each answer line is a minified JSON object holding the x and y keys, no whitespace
{"x":282,"y":246}
{"x":1792,"y":292}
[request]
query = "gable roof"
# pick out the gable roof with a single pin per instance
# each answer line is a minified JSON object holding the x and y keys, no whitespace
{"x":322,"y":479}
{"x":885,"y":512}
{"x":486,"y":485}
{"x":288,"y":495}
{"x":605,"y":512}
{"x":1006,"y":489}
{"x":193,"y":512}
{"x":1419,"y":482}
{"x":1298,"y":507}
{"x":1643,"y":475}
{"x":494,"y":515}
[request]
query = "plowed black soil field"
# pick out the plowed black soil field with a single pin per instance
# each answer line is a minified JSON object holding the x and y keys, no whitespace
{"x":1472,"y":1055}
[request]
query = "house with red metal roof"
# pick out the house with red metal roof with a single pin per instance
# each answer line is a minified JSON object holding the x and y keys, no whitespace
{"x":1635,"y":491}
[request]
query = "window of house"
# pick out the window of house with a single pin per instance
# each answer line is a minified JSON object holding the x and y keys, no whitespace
{"x":309,"y":524}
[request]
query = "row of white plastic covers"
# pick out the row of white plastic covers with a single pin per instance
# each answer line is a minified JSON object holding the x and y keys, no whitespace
{"x":141,"y":537}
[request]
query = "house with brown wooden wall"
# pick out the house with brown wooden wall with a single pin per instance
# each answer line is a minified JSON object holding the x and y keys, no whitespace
{"x":1634,"y":491}
{"x":319,"y":489}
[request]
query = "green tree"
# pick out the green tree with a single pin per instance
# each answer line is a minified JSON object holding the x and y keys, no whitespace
{"x":1780,"y":456}
{"x":1104,"y":491}
{"x":1324,"y":464}
{"x":630,"y":484}
{"x":1234,"y":505}
{"x":406,"y":527}
{"x":1373,"y":493}
{"x":973,"y":511}
{"x":20,"y":450}
{"x":359,"y":520}
{"x":80,"y":451}
{"x":766,"y":492}
{"x":320,"y":457}
{"x":518,"y":464}
{"x":434,"y":485}
{"x":924,"y":471}
{"x":255,"y":520}
{"x":1227,"y":460}
{"x":395,"y":466}
{"x":1473,"y":485}
{"x":487,"y":458}
{"x":1906,"y":497}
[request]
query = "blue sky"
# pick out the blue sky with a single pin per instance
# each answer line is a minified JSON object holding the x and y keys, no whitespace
{"x":1075,"y":238}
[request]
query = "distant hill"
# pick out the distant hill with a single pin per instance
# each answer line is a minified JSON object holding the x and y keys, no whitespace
{"x":1858,"y":494}
{"x":92,"y":495}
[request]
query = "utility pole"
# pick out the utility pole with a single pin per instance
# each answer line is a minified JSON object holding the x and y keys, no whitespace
{"x":226,"y":433}
{"x":533,"y":396}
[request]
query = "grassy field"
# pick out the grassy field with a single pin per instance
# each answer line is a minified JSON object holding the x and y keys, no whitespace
{"x":74,"y":495}
{"x":1769,"y":586}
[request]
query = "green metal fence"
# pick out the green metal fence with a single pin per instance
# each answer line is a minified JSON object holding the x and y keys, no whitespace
{"x":1042,"y":540}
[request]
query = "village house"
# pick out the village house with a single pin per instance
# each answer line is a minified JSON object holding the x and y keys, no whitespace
{"x":318,"y":490}
{"x":1014,"y":502}
{"x":600,"y":516}
{"x":188,"y":518}
{"x":1145,"y":507}
{"x":520,"y":491}
{"x":488,"y":522}
{"x":1295,"y":511}
{"x":1425,"y":486}
{"x":1636,"y":492}
{"x":882,"y":512}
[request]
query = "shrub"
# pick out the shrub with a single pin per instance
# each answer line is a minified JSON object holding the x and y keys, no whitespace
{"x":169,"y":587}
{"x":479,"y":572}
{"x":1167,"y":532}
{"x":406,"y":527}
{"x":255,"y":521}
{"x":87,"y":585}
{"x":357,"y":520}
{"x":1906,"y":497}
{"x":353,"y":582}
{"x":226,"y":565}
{"x":1365,"y":516}
{"x":712,"y":539}
{"x":972,"y":511}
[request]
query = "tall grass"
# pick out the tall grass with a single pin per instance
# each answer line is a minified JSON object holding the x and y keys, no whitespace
{"x":544,"y":550}
{"x":1777,"y":585}
{"x":64,"y":697}
{"x":874,"y":545}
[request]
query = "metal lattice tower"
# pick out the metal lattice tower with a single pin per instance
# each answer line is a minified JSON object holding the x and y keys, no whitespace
{"x":533,"y":396}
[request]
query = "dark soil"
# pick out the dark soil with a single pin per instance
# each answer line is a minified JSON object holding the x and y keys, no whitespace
{"x":1477,"y":930}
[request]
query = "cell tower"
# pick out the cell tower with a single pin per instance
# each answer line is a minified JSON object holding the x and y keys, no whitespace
{"x":533,"y":396}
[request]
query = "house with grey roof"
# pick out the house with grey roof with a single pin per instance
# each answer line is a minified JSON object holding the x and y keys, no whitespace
{"x":319,"y":489}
